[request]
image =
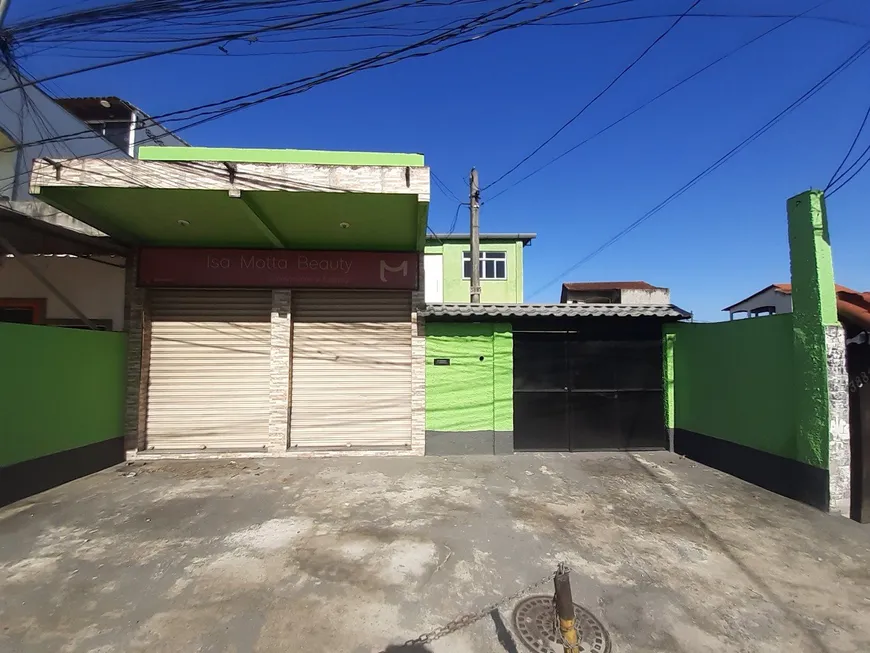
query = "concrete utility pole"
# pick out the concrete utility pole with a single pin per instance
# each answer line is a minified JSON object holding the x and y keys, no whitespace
{"x":4,"y":7}
{"x":474,"y":209}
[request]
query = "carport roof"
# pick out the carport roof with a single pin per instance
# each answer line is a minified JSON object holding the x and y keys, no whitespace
{"x":555,"y":310}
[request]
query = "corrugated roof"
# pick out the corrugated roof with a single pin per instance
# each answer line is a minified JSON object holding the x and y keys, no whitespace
{"x":554,"y":310}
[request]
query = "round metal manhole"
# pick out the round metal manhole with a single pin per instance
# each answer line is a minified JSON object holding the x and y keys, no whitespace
{"x":533,"y":622}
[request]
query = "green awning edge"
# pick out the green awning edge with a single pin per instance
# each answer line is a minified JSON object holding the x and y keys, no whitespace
{"x":248,"y":155}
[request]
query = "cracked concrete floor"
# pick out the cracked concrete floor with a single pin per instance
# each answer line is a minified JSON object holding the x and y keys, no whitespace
{"x":354,"y":554}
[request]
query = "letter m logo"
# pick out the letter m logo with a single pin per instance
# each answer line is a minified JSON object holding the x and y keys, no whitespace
{"x":403,"y":268}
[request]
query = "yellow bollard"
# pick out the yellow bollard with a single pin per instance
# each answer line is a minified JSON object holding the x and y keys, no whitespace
{"x":565,"y":610}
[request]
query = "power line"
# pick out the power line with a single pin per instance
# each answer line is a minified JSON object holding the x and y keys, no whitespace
{"x":685,"y":80}
{"x":834,"y":177}
{"x":455,"y":218}
{"x":215,"y":41}
{"x":500,"y":13}
{"x":818,"y":86}
{"x":216,"y":110}
{"x":839,"y":182}
{"x":444,"y":188}
{"x":594,"y":99}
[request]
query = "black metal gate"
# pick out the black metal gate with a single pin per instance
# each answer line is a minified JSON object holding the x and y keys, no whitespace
{"x":572,"y":393}
{"x":858,"y":366}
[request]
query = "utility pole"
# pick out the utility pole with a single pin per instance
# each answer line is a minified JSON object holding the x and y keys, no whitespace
{"x":474,"y":210}
{"x":4,"y":7}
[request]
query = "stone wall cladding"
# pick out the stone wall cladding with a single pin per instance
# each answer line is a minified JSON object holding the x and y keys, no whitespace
{"x":137,"y":327}
{"x":839,"y":452}
{"x":279,"y":375}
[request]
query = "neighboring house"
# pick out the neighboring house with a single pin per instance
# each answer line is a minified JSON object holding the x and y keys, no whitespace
{"x":852,"y":305}
{"x":123,"y":124}
{"x":35,"y":125}
{"x":632,"y":293}
{"x":448,"y":268}
{"x":43,"y":284}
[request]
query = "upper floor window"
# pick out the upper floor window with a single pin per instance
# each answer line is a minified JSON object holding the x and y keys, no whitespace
{"x":493,"y":265}
{"x":116,"y":132}
{"x":763,"y":310}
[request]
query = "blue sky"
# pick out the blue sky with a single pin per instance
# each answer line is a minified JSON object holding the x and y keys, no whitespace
{"x":491,"y":102}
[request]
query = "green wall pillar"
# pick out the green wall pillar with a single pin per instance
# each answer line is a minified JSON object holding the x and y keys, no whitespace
{"x":821,"y":397}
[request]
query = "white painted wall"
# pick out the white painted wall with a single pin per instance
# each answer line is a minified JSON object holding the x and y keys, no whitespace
{"x":433,"y":273}
{"x":96,"y":289}
{"x":770,"y":297}
{"x":646,"y":297}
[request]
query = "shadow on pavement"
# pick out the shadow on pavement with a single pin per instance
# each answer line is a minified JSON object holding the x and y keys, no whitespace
{"x":723,"y":546}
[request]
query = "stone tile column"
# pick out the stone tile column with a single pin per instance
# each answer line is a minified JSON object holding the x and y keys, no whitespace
{"x":137,"y":324}
{"x":279,"y":374}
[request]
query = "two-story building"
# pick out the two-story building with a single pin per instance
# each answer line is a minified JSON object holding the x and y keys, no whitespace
{"x":447,"y":263}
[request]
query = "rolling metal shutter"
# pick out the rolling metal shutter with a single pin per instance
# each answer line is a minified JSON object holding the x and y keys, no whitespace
{"x":209,"y":378}
{"x":351,"y":379}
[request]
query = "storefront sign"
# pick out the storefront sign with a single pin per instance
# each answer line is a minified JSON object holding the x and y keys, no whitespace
{"x":268,"y":268}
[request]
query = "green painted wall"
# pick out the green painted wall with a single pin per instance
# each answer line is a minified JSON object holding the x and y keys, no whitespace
{"x":247,"y":155}
{"x":458,"y":290}
{"x":59,"y":389}
{"x":469,"y":394}
{"x":814,"y":303}
{"x":733,"y":381}
{"x":503,"y":377}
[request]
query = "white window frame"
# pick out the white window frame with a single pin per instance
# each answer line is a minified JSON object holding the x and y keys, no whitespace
{"x":500,"y":256}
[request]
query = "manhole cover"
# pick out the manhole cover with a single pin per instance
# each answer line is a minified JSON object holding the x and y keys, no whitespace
{"x":533,"y":621}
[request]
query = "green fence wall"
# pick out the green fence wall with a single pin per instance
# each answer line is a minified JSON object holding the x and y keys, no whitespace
{"x":733,"y":381}
{"x":469,"y":403}
{"x":60,"y":390}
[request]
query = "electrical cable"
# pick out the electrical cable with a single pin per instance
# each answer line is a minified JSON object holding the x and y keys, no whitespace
{"x":818,"y":86}
{"x":213,"y":41}
{"x":839,"y":182}
{"x":685,"y":80}
{"x":834,"y":177}
{"x":594,"y":99}
{"x":444,"y":188}
{"x":216,"y":110}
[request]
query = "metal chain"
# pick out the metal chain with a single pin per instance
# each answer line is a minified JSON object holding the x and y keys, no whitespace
{"x":473,"y":617}
{"x":557,"y":630}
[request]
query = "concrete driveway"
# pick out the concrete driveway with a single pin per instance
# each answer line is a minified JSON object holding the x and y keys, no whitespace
{"x":354,"y":554}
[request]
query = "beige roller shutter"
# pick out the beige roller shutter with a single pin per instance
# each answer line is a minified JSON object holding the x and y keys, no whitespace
{"x":209,"y":377}
{"x":351,"y":370}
